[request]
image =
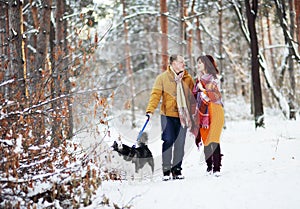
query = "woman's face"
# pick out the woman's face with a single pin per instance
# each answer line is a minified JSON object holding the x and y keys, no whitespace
{"x":200,"y":67}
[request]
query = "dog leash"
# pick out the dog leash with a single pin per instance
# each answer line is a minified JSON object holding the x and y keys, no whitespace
{"x":141,"y":132}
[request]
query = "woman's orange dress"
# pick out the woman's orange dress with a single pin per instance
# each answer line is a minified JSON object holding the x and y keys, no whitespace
{"x":216,"y":118}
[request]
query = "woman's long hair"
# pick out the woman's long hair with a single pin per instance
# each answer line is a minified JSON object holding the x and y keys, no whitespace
{"x":210,"y":64}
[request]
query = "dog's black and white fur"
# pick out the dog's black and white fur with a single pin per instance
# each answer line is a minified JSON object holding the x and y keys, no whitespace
{"x":140,"y":155}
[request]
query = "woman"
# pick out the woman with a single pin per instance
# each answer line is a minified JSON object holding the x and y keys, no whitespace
{"x":210,"y":106}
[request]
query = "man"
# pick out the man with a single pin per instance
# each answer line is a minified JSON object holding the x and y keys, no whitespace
{"x":174,"y":87}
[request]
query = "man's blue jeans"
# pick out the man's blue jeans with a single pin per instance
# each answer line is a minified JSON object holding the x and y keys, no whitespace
{"x":173,"y":136}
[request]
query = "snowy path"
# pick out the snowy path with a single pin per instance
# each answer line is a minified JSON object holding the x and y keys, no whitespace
{"x":261,"y":169}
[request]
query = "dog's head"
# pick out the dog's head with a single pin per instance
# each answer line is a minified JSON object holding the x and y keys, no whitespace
{"x":124,"y":150}
{"x":115,"y":146}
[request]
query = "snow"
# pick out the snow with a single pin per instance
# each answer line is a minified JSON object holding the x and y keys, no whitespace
{"x":19,"y":147}
{"x":260,"y":169}
{"x":108,"y":2}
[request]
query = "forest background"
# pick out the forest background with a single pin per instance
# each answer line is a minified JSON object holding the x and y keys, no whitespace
{"x":69,"y":67}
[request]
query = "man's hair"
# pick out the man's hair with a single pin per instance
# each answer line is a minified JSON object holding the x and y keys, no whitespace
{"x":173,"y":58}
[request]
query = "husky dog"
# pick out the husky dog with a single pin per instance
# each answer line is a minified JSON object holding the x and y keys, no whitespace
{"x":140,"y":155}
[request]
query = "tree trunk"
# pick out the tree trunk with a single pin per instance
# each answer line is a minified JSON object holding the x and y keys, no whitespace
{"x":222,"y":73}
{"x":297,"y":10}
{"x":220,"y":12}
{"x":32,"y":40}
{"x":286,"y":32}
{"x":190,"y":41}
{"x":291,"y":69}
{"x":68,"y":125}
{"x":43,"y":46}
{"x":4,"y":48}
{"x":288,"y":37}
{"x":4,"y":69}
{"x":17,"y":90}
{"x":182,"y":27}
{"x":40,"y":72}
{"x":270,"y":41}
{"x":128,"y":65}
{"x":251,"y":13}
{"x":262,"y":32}
{"x":198,"y":35}
{"x":56,"y":90}
{"x":164,"y":36}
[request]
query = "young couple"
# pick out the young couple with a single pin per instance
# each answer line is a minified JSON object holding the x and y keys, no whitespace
{"x":188,"y":105}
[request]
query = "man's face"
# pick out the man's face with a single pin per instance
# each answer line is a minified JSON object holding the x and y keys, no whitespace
{"x":178,"y":65}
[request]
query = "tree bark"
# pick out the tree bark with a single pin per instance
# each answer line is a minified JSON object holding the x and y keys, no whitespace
{"x":4,"y":70}
{"x":251,"y":13}
{"x":4,"y":47}
{"x":57,"y":85}
{"x":220,"y":12}
{"x":128,"y":65}
{"x":31,"y":55}
{"x":190,"y":40}
{"x":164,"y":36}
{"x":286,"y":31}
{"x":17,"y":90}
{"x":270,"y":41}
{"x":222,"y":73}
{"x":68,"y":125}
{"x":40,"y":72}
{"x":198,"y":35}
{"x":182,"y":27}
{"x":288,"y":37}
{"x":297,"y":10}
{"x":291,"y":69}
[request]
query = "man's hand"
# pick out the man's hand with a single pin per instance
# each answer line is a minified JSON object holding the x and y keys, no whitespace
{"x":149,"y":115}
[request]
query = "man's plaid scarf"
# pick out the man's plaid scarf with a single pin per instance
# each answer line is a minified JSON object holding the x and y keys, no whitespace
{"x":183,"y":110}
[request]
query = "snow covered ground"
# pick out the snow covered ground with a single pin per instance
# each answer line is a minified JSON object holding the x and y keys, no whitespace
{"x":261,"y":170}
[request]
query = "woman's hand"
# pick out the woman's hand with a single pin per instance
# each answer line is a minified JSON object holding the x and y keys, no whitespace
{"x":200,"y":86}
